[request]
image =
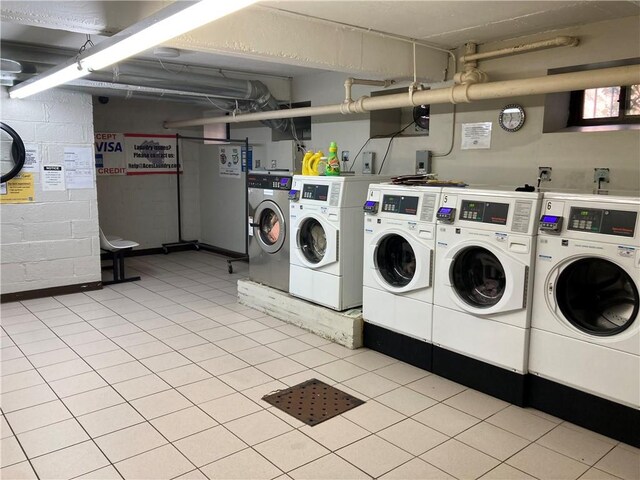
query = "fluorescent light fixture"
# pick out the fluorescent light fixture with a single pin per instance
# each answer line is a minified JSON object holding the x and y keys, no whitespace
{"x":172,"y":21}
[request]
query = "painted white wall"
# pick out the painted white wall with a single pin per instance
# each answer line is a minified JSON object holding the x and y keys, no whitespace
{"x":54,"y":241}
{"x":143,"y":208}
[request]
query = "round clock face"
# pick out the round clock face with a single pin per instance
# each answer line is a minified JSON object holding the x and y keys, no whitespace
{"x":511,"y":118}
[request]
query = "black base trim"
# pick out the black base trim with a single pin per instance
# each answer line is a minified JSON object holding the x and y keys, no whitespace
{"x":50,"y":292}
{"x":409,"y":350}
{"x":586,"y":410}
{"x":221,"y":251}
{"x":498,"y":382}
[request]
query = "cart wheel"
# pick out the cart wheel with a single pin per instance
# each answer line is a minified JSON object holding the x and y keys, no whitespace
{"x":230,"y":268}
{"x":197,"y":247}
{"x":165,"y":250}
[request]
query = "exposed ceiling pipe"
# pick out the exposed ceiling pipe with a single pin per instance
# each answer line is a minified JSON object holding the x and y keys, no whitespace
{"x":464,"y":93}
{"x":562,"y":41}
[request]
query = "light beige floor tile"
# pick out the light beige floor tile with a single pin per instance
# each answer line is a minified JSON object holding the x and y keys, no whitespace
{"x":183,"y":423}
{"x":124,"y":371}
{"x":16,"y":365}
{"x":460,"y":460}
{"x":291,"y":450}
{"x":340,"y":370}
{"x":52,"y":437}
{"x":10,"y":452}
{"x":258,"y":427}
{"x":168,"y":332}
{"x":141,"y":387}
{"x":50,"y":358}
{"x":177,"y":377}
{"x":506,"y":472}
{"x":105,"y":473}
{"x":109,"y":359}
{"x":110,"y":419}
{"x":412,"y":436}
{"x":270,"y":321}
{"x":308,"y":374}
{"x":258,"y":355}
{"x":436,"y":387}
{"x":185,"y":341}
{"x":84,"y":337}
{"x":192,"y":475}
{"x":246,"y":378}
{"x":236,"y":344}
{"x":38,"y":416}
{"x":130,"y":441}
{"x":202,"y":352}
{"x":267,"y":336}
{"x":328,"y":467}
{"x":230,"y":407}
{"x":417,"y":469}
{"x":581,"y":445}
{"x":64,"y":369}
{"x":94,"y":348}
{"x":371,"y":360}
{"x":313,"y":339}
{"x":26,"y":397}
{"x":248,"y":326}
{"x":163,"y":462}
{"x":70,"y":462}
{"x":493,"y":440}
{"x":147,"y":350}
{"x":313,"y":358}
{"x":209,"y":445}
{"x":224,"y":364}
{"x":335,"y":433}
{"x":18,"y":471}
{"x":519,"y":421}
{"x":256,"y":393}
{"x":291,"y":330}
{"x":218,"y":333}
{"x":166,"y":361}
{"x":622,"y":461}
{"x":16,"y":381}
{"x":446,"y":419}
{"x":371,"y":384}
{"x":289,"y":346}
{"x":77,"y":384}
{"x":93,"y":400}
{"x":281,"y":367}
{"x":5,"y":430}
{"x":205,"y":390}
{"x":595,"y":474}
{"x":244,"y":465}
{"x":161,"y":403}
{"x":477,"y":404}
{"x":373,"y":416}
{"x":544,"y":463}
{"x":374,"y":455}
{"x":406,"y":401}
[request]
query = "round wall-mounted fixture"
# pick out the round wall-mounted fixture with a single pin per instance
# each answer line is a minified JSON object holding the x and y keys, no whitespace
{"x":421,"y":115}
{"x":511,"y":118}
{"x":12,"y":153}
{"x":166,"y":52}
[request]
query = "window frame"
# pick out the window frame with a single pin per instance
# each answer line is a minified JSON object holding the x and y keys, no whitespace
{"x":576,"y":111}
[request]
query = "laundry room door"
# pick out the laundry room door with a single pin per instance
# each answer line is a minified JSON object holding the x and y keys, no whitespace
{"x":269,"y":227}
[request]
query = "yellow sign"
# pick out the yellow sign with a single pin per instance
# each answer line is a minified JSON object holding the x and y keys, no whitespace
{"x":18,"y":190}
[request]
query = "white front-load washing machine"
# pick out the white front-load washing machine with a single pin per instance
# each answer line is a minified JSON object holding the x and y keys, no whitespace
{"x":485,"y":246}
{"x":326,"y":238}
{"x":585,"y":330}
{"x":399,"y":244}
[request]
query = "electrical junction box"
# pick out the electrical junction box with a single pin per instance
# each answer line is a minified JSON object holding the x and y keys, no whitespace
{"x":423,"y":162}
{"x":368,"y":163}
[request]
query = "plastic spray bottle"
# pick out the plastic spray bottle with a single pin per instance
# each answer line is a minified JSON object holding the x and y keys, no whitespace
{"x":333,"y":164}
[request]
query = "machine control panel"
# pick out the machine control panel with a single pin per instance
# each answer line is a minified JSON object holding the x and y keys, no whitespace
{"x":551,"y":223}
{"x":312,"y":191}
{"x":607,"y":222}
{"x":485,"y":212}
{"x":371,"y":206}
{"x":446,"y":214}
{"x":269,"y":182}
{"x":403,"y":204}
{"x":294,"y":195}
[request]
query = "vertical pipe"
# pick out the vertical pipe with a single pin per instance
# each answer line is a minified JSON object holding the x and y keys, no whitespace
{"x":246,"y":196}
{"x":178,"y":187}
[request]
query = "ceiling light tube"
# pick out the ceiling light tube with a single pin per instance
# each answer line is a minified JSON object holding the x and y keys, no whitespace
{"x":172,"y":21}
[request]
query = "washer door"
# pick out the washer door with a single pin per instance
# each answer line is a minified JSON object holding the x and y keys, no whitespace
{"x":269,"y":226}
{"x":316,"y":242}
{"x":597,"y":296}
{"x":478,"y":277}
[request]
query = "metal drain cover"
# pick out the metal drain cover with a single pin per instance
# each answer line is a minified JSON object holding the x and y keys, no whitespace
{"x":313,"y":401}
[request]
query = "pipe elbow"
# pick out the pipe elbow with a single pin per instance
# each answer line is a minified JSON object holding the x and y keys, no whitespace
{"x":460,"y":93}
{"x":567,"y":41}
{"x":470,"y":77}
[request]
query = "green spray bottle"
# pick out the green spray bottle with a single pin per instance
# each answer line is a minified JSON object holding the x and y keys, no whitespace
{"x":333,"y":164}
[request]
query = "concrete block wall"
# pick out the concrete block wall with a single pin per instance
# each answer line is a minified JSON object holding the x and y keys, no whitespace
{"x":54,"y":241}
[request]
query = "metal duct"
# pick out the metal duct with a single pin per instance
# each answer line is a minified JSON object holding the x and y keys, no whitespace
{"x":243,"y":96}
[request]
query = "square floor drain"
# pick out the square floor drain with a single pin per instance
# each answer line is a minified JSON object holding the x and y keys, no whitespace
{"x":313,"y":401}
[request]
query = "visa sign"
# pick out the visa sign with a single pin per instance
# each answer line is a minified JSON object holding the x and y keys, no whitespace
{"x":110,"y":156}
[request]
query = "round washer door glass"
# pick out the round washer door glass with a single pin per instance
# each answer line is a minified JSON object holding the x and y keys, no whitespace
{"x":270,"y":227}
{"x":478,"y":277}
{"x":396,"y":260}
{"x":312,"y":240}
{"x":597,"y":296}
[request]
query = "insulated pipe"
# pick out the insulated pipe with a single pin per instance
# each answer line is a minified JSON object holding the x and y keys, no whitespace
{"x":349,"y":82}
{"x":563,"y":82}
{"x":525,"y":47}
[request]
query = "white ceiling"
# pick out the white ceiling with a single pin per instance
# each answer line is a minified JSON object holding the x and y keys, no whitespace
{"x":444,"y":23}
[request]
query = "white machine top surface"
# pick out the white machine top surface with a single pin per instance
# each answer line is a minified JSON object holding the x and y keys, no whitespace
{"x":491,"y":192}
{"x":342,"y":178}
{"x":599,"y":199}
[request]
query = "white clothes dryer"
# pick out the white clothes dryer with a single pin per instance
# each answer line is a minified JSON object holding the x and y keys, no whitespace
{"x":399,"y":244}
{"x":326,"y":241}
{"x":485,"y":246}
{"x":585,"y":326}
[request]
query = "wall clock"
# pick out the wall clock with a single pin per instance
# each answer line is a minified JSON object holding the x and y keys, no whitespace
{"x":511,"y":118}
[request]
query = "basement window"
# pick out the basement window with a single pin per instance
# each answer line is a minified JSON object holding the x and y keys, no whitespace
{"x":605,"y":106}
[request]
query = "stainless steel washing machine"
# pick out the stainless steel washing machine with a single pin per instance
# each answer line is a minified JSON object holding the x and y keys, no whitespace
{"x":268,"y":229}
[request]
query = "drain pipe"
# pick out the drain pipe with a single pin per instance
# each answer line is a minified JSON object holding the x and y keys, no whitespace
{"x":464,"y":93}
{"x":562,"y":41}
{"x":351,"y":106}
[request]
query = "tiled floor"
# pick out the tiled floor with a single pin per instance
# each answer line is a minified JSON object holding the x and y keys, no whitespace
{"x":162,"y":378}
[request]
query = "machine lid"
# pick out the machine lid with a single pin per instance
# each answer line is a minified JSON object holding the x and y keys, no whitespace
{"x":395,"y":260}
{"x":597,"y":296}
{"x":312,"y":240}
{"x":269,"y":227}
{"x":478,"y":277}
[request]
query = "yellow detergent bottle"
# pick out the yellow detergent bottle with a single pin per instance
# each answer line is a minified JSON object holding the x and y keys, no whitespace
{"x":305,"y":162}
{"x":314,"y":162}
{"x":333,"y":164}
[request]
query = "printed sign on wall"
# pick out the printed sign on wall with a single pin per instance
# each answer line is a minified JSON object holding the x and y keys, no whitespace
{"x":150,"y":153}
{"x":110,"y":158}
{"x":229,"y":161}
{"x":18,"y":190}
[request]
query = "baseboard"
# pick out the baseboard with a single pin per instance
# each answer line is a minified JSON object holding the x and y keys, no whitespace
{"x":495,"y":381}
{"x":584,"y":409}
{"x":401,"y":347}
{"x":220,"y":251}
{"x":49,"y":292}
